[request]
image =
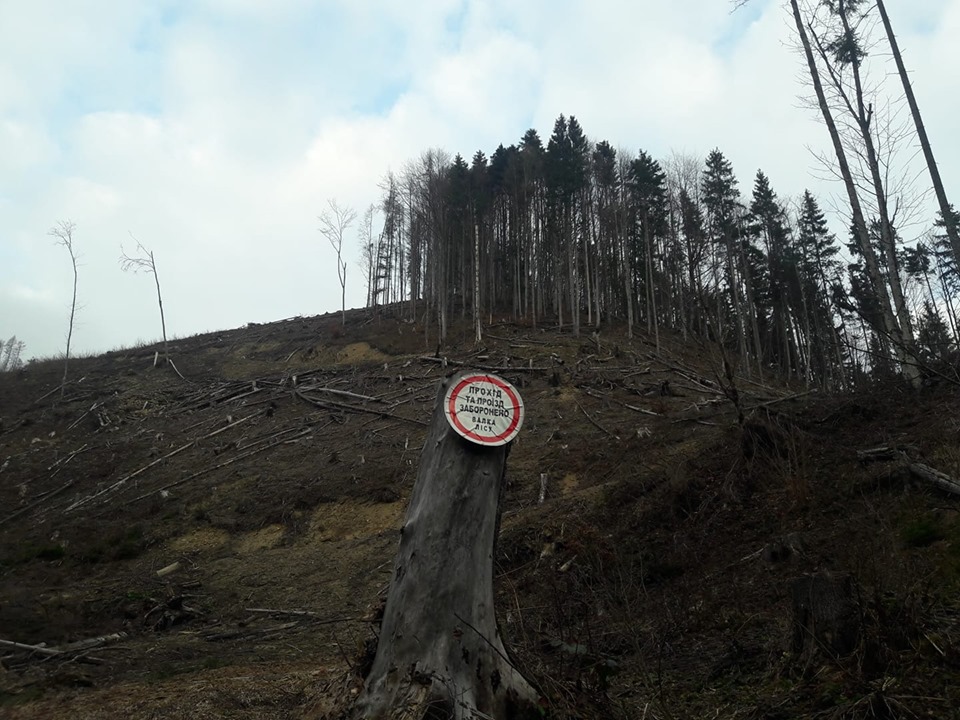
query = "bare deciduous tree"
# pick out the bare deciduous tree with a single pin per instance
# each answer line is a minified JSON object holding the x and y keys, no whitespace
{"x":334,"y":223}
{"x":145,"y":261}
{"x":890,"y":324}
{"x":63,"y":232}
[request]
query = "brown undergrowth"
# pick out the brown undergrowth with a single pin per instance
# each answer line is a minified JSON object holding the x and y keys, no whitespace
{"x":234,"y":531}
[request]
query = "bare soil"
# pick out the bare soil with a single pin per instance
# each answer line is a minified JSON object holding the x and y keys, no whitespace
{"x":231,"y":531}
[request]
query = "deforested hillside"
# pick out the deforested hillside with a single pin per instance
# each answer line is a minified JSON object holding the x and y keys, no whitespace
{"x":679,"y":537}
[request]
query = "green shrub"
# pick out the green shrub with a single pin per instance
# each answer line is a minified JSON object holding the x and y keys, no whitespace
{"x":51,"y":552}
{"x":921,"y":532}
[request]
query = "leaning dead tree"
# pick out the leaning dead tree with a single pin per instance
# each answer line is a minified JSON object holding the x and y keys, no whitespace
{"x":440,"y":654}
{"x":146,"y":262}
{"x":63,"y":232}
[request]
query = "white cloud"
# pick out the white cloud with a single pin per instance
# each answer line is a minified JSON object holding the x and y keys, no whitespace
{"x":22,"y":147}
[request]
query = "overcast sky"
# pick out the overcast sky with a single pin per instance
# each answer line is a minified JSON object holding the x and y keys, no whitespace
{"x":214,"y":131}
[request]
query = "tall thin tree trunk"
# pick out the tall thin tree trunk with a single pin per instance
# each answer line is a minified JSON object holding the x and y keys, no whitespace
{"x":596,"y":232}
{"x":627,"y":281}
{"x":947,"y":298}
{"x":163,"y":322}
{"x":864,"y":117}
{"x":890,"y":325}
{"x":751,"y":303}
{"x":733,"y":261}
{"x":952,"y":231}
{"x":73,"y":312}
{"x":572,"y":271}
{"x":652,"y":322}
{"x":476,"y":284}
{"x":588,"y":284}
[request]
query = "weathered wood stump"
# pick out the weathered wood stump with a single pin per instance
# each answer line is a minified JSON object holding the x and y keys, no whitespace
{"x":440,"y":654}
{"x":825,"y":614}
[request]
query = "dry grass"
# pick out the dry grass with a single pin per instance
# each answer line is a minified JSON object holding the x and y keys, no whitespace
{"x":640,"y":588}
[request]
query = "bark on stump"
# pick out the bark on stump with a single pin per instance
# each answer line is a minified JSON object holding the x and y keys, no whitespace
{"x":825,"y":614}
{"x":440,"y":653}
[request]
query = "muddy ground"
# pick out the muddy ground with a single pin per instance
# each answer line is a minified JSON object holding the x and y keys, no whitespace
{"x":225,"y":538}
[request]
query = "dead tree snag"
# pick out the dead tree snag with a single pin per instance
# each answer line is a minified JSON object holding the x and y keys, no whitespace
{"x":440,"y":654}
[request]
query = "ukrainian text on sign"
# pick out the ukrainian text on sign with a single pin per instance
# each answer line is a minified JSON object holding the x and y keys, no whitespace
{"x":484,"y":409}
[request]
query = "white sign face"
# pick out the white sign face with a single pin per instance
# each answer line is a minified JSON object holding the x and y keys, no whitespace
{"x":484,"y":409}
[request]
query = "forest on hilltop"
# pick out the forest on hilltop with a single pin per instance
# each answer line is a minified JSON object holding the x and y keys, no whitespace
{"x":580,"y":231}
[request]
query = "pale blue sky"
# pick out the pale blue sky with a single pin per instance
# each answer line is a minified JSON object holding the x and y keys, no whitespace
{"x":215,"y":130}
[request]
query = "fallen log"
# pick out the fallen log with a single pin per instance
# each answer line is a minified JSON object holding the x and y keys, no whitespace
{"x":329,"y":405}
{"x":342,"y":393}
{"x":315,"y":617}
{"x":596,"y":424}
{"x":39,"y":649}
{"x":75,"y":647}
{"x":444,"y":361}
{"x":124,"y":480}
{"x":241,"y":456}
{"x":91,"y":643}
{"x":941,"y":480}
{"x":902,"y":454}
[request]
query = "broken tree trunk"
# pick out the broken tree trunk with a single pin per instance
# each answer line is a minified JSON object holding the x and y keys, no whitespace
{"x":440,"y":653}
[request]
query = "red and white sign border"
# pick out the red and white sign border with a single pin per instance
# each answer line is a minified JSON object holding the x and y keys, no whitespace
{"x":515,"y":403}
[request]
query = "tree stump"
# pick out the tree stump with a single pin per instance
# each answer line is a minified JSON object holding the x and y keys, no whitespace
{"x":825,"y":614}
{"x":440,"y":654}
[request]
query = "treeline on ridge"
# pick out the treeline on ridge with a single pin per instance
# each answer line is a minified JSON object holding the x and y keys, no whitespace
{"x":579,"y":232}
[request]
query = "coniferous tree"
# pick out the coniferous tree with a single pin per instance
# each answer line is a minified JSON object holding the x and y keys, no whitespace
{"x":695,"y":244}
{"x":578,"y":226}
{"x":721,"y":201}
{"x":459,"y":197}
{"x":933,"y":336}
{"x":579,"y":239}
{"x":646,"y":186}
{"x":942,"y":242}
{"x":774,"y":276}
{"x":386,"y":252}
{"x":559,"y":189}
{"x":816,"y":250}
{"x":606,"y":262}
{"x":566,"y":174}
{"x":504,"y":262}
{"x":532,"y":213}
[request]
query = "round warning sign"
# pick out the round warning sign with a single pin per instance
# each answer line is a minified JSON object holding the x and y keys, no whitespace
{"x":484,"y":409}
